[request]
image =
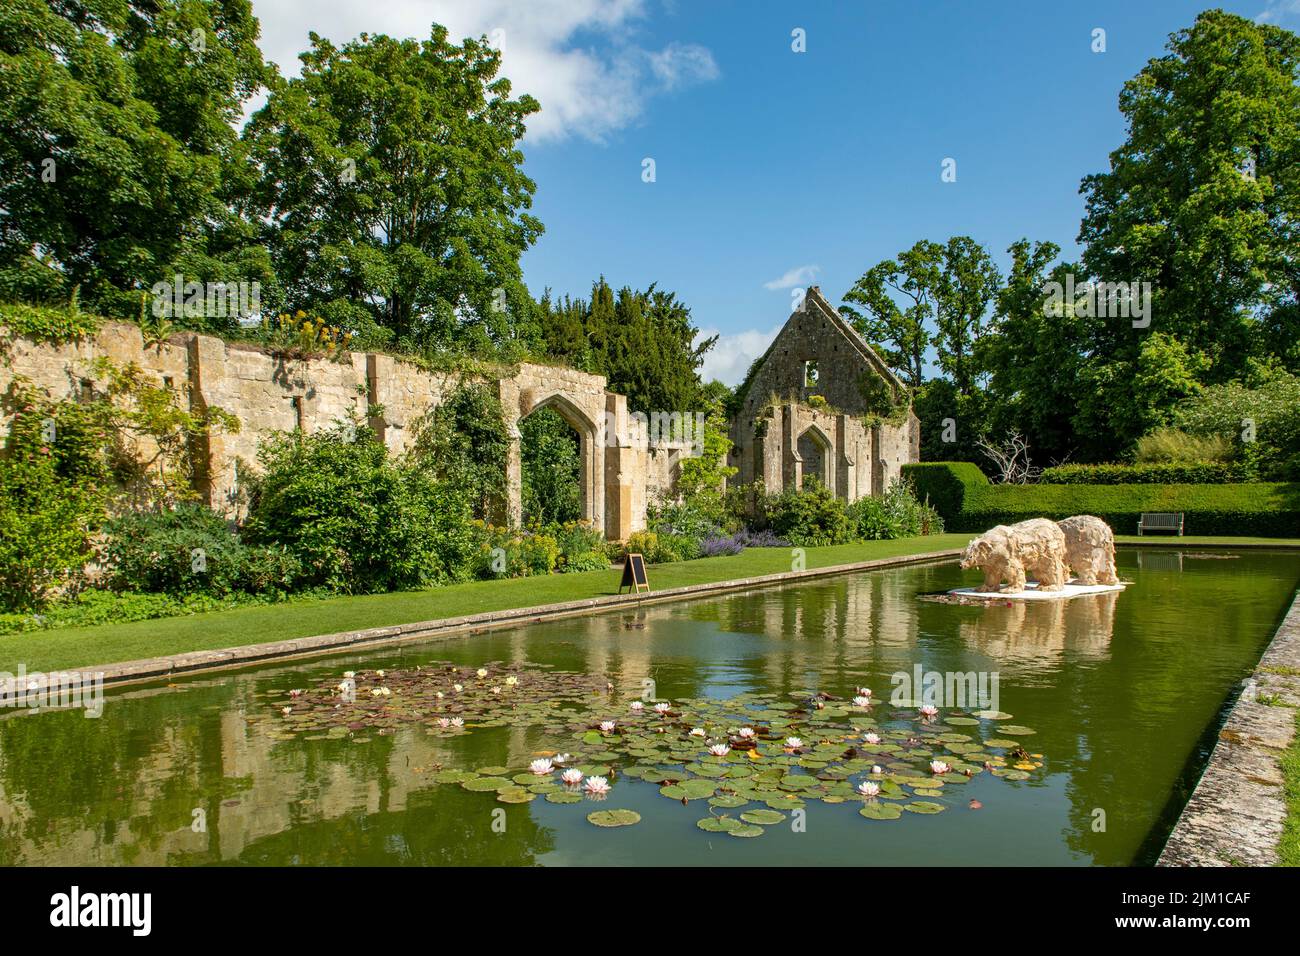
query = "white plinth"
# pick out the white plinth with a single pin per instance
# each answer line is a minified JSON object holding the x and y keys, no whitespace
{"x":1031,"y":592}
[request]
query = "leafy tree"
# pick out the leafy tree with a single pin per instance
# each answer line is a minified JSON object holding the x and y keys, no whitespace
{"x":899,"y":333}
{"x":119,"y":160}
{"x":644,"y":343}
{"x":551,"y":466}
{"x":392,"y":179}
{"x":463,"y":442}
{"x":970,"y":282}
{"x":1203,"y":199}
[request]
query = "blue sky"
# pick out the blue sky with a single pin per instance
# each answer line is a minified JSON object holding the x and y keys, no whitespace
{"x":773,"y":166}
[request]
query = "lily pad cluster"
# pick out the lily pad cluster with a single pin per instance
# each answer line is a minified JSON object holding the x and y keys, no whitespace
{"x":747,"y":761}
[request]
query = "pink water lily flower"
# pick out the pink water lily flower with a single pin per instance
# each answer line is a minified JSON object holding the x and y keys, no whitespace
{"x":938,"y":766}
{"x":868,"y":789}
{"x":607,"y":726}
{"x":444,"y":722}
{"x":719,"y":750}
{"x":287,"y":711}
{"x":572,"y":776}
{"x":296,"y":692}
{"x":662,"y":708}
{"x":458,"y":721}
{"x":929,"y":711}
{"x":861,"y":701}
{"x":637,"y":706}
{"x":864,"y":691}
{"x":541,"y":767}
{"x":597,"y":785}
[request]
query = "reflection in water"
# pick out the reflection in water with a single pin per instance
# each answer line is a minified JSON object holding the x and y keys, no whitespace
{"x":1118,"y":687}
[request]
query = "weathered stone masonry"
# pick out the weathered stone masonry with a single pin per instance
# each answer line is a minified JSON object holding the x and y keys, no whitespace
{"x":621,"y":472}
{"x":789,"y":427}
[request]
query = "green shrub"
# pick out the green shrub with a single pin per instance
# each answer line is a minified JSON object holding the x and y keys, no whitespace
{"x":1260,"y":509}
{"x":811,"y":517}
{"x":581,"y":547}
{"x":1176,"y":445}
{"x":895,"y":514}
{"x":1155,"y":473}
{"x":44,"y":323}
{"x":944,"y":484}
{"x":358,"y":521}
{"x":45,"y":527}
{"x":506,"y":553}
{"x":192,"y":550}
{"x":92,"y":607}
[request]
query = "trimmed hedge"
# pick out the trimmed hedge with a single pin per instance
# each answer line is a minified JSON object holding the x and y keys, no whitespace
{"x":1156,"y":473}
{"x":968,"y":502}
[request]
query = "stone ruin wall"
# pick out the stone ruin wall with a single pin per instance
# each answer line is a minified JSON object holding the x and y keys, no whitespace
{"x":270,"y":393}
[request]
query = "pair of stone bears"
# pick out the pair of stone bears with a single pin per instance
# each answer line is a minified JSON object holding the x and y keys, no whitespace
{"x":1046,"y":551}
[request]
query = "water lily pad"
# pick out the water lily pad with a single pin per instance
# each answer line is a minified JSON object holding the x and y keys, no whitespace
{"x":516,"y":796}
{"x":992,"y":715}
{"x":762,"y":817}
{"x":1015,"y":730}
{"x":881,"y":811}
{"x":728,"y":800}
{"x":748,"y":830}
{"x":614,"y":818}
{"x":483,"y":784}
{"x":564,"y":796}
{"x":718,"y":824}
{"x":924,"y":806}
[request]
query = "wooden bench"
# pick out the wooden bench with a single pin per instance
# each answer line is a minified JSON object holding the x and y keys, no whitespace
{"x":1161,"y":521}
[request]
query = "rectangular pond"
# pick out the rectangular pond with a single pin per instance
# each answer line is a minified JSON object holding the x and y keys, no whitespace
{"x":1113,"y":702}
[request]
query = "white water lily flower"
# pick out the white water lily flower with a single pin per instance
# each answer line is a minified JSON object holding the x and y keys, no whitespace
{"x":876,"y":768}
{"x":719,"y":750}
{"x":287,"y":711}
{"x":541,"y":767}
{"x":379,"y":673}
{"x":794,"y":743}
{"x":746,"y":732}
{"x":607,"y":726}
{"x":444,"y":722}
{"x":868,"y":789}
{"x":349,"y":674}
{"x":512,"y":680}
{"x":663,"y":708}
{"x":496,"y":690}
{"x":458,"y":721}
{"x":871,"y":738}
{"x":861,"y":701}
{"x":697,"y":731}
{"x":636,"y":705}
{"x":458,"y":687}
{"x":482,"y":672}
{"x":597,"y":785}
{"x":379,"y":692}
{"x":572,"y":776}
{"x":938,"y":766}
{"x":439,"y":694}
{"x":863,"y":691}
{"x":561,"y":758}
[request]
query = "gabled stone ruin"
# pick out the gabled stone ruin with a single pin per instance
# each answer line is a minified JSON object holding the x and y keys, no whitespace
{"x":821,"y":403}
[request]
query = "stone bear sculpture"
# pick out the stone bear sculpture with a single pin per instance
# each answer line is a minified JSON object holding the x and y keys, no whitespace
{"x":1089,"y":550}
{"x":1033,"y":548}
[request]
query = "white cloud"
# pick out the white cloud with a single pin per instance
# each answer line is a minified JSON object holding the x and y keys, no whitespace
{"x":731,"y":357}
{"x":578,"y":58}
{"x":1278,"y":9}
{"x":798,"y":276}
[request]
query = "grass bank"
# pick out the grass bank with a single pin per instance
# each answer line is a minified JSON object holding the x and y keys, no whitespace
{"x":112,"y":643}
{"x":1288,"y":848}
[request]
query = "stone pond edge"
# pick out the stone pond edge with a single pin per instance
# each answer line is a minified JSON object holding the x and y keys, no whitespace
{"x":196,"y":661}
{"x":1237,"y":811}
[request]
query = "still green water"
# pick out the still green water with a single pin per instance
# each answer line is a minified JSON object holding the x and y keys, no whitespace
{"x":1124,"y":691}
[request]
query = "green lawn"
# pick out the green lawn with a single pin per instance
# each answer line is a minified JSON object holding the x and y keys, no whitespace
{"x":1288,"y":848}
{"x":110,"y":643}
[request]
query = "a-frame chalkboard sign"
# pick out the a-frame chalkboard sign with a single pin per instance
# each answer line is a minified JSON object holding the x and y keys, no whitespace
{"x":634,"y":576}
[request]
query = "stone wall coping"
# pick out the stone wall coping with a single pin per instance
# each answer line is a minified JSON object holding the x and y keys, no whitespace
{"x":1236,"y":814}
